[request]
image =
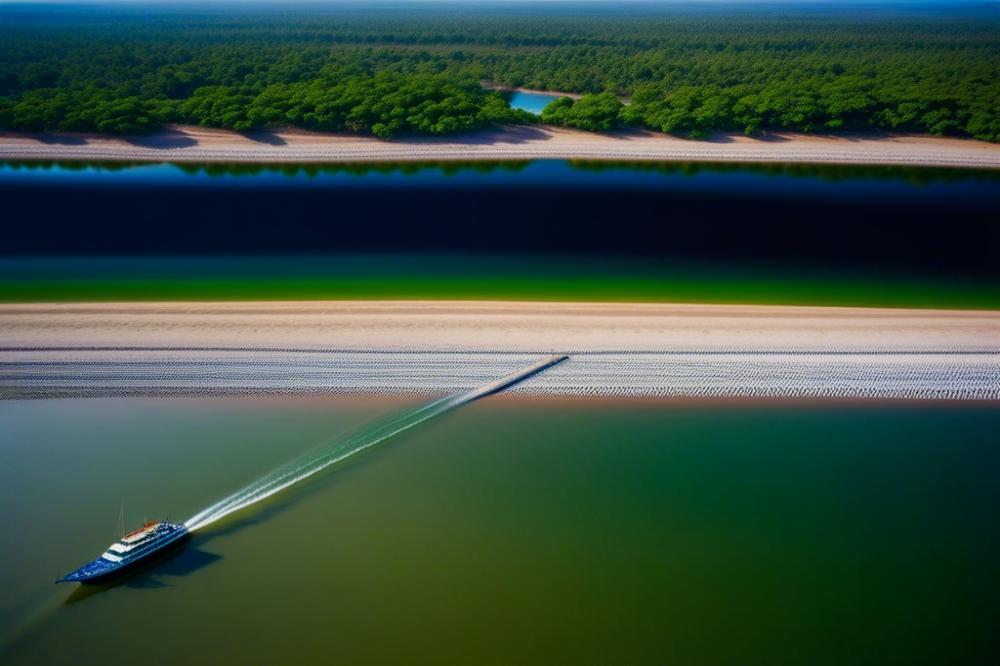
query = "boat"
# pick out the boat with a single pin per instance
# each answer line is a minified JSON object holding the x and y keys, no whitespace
{"x":141,"y":545}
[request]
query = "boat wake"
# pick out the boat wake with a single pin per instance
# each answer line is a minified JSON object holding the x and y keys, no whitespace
{"x":330,"y":453}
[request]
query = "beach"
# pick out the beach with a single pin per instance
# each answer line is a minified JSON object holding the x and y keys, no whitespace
{"x":496,"y":326}
{"x":196,"y":144}
{"x":414,"y":347}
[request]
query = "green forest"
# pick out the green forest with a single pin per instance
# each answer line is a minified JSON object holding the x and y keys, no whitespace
{"x":391,"y":72}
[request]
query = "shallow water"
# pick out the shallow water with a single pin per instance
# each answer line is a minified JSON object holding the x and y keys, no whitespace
{"x":531,"y":101}
{"x":512,"y":531}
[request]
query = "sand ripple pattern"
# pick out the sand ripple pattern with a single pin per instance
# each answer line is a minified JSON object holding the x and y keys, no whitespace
{"x":128,"y":372}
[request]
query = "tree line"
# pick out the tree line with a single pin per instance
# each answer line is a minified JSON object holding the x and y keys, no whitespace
{"x":392,"y":72}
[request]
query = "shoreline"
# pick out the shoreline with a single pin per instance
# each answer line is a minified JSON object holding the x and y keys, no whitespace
{"x":431,"y":348}
{"x":183,"y":144}
{"x":537,"y":91}
{"x":530,"y":91}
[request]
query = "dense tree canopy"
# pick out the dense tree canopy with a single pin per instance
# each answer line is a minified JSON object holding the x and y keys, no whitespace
{"x":596,"y":113}
{"x":383,"y":104}
{"x":395,"y":71}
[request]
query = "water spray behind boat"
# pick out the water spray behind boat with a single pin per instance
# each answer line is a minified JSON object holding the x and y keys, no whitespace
{"x":332,"y":452}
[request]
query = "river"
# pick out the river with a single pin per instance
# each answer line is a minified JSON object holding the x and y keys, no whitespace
{"x":538,"y":230}
{"x":510,"y":531}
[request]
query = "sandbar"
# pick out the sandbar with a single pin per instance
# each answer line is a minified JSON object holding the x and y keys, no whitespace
{"x":446,"y":347}
{"x":511,"y":326}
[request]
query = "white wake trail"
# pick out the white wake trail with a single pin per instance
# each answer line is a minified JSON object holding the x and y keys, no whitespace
{"x":330,"y":453}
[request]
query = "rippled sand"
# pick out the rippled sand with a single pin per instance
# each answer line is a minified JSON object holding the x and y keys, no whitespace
{"x":432,"y":347}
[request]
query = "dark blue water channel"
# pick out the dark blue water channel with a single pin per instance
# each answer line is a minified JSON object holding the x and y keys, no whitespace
{"x":917,"y":219}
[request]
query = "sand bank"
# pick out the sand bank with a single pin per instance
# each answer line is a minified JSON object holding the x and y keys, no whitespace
{"x":486,"y":326}
{"x":438,"y":347}
{"x":192,"y":144}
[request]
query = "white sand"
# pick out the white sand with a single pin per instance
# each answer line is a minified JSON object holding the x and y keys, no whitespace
{"x":496,"y":326}
{"x":193,"y":144}
{"x":443,"y":347}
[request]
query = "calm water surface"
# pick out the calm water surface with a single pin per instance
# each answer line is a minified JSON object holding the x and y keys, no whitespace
{"x":531,"y":101}
{"x":762,"y":180}
{"x":511,"y":531}
{"x":930,"y":221}
{"x":546,"y":229}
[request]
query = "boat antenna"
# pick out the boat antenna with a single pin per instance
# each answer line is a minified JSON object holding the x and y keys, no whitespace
{"x":121,"y":520}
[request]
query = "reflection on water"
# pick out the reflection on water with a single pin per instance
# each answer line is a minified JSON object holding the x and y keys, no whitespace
{"x":454,"y":170}
{"x":516,"y":531}
{"x":835,"y":173}
{"x":150,"y":576}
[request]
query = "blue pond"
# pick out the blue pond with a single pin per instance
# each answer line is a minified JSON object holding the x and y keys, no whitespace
{"x":531,"y":101}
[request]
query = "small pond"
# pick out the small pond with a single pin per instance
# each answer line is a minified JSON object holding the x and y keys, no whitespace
{"x":532,"y":102}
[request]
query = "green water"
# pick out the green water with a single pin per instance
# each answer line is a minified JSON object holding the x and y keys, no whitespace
{"x":512,"y":531}
{"x":493,"y":277}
